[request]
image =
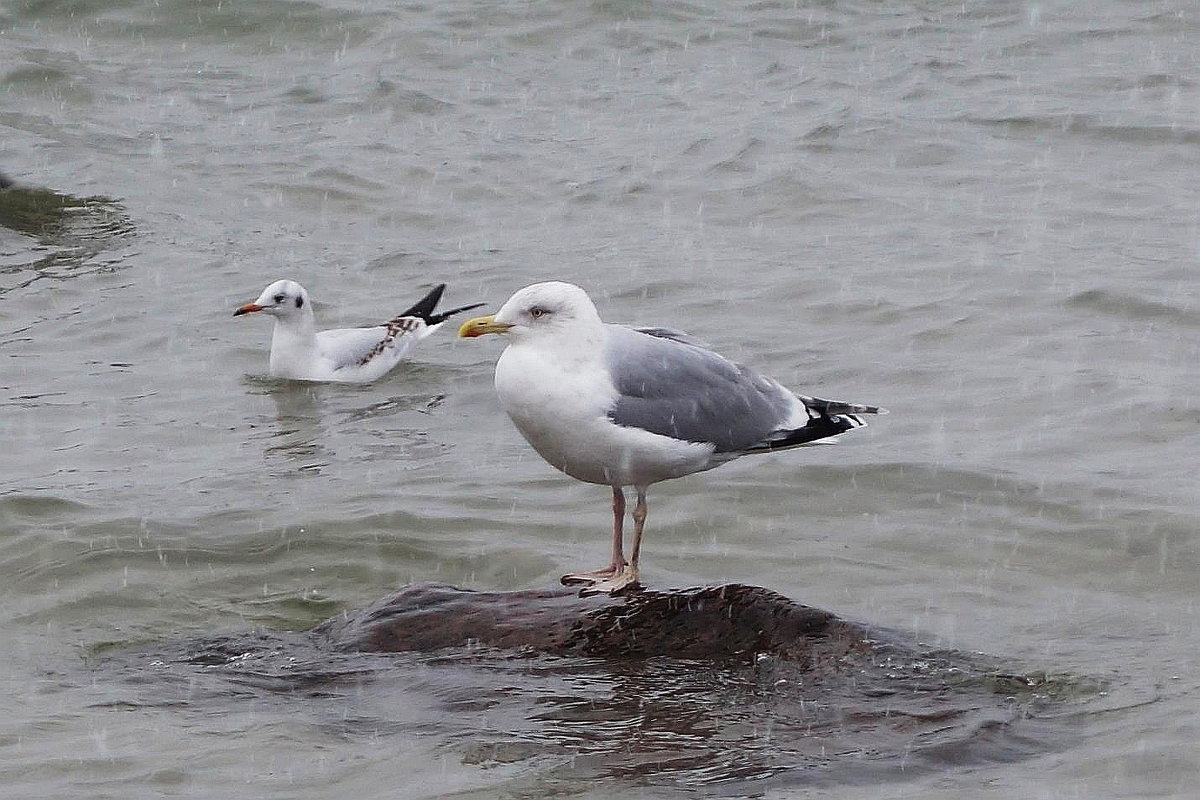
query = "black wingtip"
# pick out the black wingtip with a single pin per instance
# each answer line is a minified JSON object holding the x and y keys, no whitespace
{"x":425,"y":306}
{"x":442,"y":317}
{"x":818,"y":428}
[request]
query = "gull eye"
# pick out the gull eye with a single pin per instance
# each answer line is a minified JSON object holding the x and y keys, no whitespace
{"x":279,"y":298}
{"x":537,"y":312}
{"x":299,"y":302}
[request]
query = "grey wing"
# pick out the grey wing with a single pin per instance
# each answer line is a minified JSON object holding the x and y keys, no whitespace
{"x":355,"y":347}
{"x":675,"y":335}
{"x":669,"y":386}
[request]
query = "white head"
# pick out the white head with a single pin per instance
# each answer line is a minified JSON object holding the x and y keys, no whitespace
{"x":555,"y":309}
{"x":282,"y":300}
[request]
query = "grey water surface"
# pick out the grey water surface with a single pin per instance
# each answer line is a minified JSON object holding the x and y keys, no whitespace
{"x":983,"y":216}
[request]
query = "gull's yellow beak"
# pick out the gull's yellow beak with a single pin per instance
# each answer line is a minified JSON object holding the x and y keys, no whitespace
{"x":481,"y":326}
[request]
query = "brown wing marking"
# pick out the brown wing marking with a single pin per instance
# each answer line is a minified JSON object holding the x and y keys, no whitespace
{"x":395,"y":327}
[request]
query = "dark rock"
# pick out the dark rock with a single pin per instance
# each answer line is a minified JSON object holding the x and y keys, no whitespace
{"x":49,"y":215}
{"x":714,"y":622}
{"x":733,"y":689}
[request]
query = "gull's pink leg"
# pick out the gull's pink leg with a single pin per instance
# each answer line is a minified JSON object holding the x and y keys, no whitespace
{"x":618,"y":548}
{"x":627,"y":575}
{"x":639,"y":523}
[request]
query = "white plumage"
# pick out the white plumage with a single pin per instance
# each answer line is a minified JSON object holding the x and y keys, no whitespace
{"x":346,"y":355}
{"x":620,"y":406}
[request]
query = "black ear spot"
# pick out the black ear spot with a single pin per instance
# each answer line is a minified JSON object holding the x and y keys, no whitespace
{"x":299,"y":302}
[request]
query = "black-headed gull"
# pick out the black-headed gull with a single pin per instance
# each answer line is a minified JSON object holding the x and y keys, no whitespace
{"x":620,"y":406}
{"x":347,"y":355}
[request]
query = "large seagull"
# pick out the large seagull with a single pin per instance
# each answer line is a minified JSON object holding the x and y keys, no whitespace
{"x":621,"y":406}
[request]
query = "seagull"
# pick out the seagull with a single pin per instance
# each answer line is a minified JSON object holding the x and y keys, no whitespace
{"x":346,"y":355}
{"x":620,"y":406}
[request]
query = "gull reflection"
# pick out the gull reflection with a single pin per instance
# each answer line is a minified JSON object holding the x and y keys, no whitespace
{"x":299,"y":433}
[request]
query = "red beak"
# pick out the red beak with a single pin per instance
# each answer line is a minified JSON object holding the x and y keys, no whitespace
{"x":249,"y":308}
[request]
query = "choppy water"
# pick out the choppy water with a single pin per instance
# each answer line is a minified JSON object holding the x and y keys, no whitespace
{"x":983,"y":216}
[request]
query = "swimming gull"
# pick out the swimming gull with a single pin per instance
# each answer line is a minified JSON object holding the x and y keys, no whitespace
{"x":347,"y":355}
{"x":620,"y":406}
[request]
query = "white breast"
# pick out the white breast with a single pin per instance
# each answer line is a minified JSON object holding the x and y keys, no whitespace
{"x":560,"y":406}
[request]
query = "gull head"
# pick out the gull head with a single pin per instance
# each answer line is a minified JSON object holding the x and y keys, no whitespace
{"x":282,"y":299}
{"x":544,"y":309}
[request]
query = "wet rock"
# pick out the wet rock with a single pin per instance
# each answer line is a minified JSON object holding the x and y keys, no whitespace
{"x":56,"y":218}
{"x":725,"y":686}
{"x":67,"y":235}
{"x":712,"y":622}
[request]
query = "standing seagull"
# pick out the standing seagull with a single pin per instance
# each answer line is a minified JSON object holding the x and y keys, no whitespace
{"x":622,"y":407}
{"x":347,"y":355}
